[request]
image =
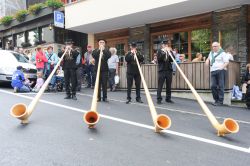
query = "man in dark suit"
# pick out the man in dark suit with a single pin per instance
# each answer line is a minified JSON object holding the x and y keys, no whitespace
{"x":165,"y":71}
{"x":104,"y":68}
{"x":69,"y":68}
{"x":133,"y":72}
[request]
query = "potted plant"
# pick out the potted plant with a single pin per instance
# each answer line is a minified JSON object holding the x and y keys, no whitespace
{"x":54,"y":4}
{"x":36,"y":8}
{"x":20,"y":15}
{"x":6,"y":20}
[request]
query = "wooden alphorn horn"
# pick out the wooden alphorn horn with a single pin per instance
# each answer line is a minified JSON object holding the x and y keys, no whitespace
{"x":92,"y":117}
{"x":161,"y":121}
{"x":21,"y":111}
{"x":228,"y":126}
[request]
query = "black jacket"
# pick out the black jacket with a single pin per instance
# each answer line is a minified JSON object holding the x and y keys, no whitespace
{"x":131,"y":62}
{"x":69,"y":61}
{"x":104,"y":62}
{"x":163,"y":63}
{"x":246,"y":77}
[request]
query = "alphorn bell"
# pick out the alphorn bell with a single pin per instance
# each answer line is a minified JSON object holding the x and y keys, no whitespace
{"x":228,"y":126}
{"x":21,"y":111}
{"x":92,"y":117}
{"x":161,"y":121}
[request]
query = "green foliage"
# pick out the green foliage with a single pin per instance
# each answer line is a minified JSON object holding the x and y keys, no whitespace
{"x":201,"y":41}
{"x":54,"y":4}
{"x":36,"y":8}
{"x":6,"y":20}
{"x":20,"y":15}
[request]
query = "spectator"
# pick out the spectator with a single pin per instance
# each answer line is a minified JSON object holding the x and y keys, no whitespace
{"x":245,"y":81}
{"x":218,"y":61}
{"x":33,"y":58}
{"x":229,"y":52}
{"x":154,"y":61}
{"x":89,"y":66}
{"x":56,"y":78}
{"x":18,"y":81}
{"x":113,"y":63}
{"x":79,"y":70}
{"x":39,"y":82}
{"x":182,"y":58}
{"x":40,"y":59}
{"x":52,"y":61}
{"x":27,"y":82}
{"x":198,"y":58}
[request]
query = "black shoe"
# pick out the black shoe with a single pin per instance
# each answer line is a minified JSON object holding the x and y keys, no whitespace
{"x":128,"y":101}
{"x":159,"y":102}
{"x":139,"y":101}
{"x":169,"y":101}
{"x":74,"y":97}
{"x":67,"y":97}
{"x":88,"y":86}
{"x":217,"y":104}
{"x":98,"y":100}
{"x":105,"y":100}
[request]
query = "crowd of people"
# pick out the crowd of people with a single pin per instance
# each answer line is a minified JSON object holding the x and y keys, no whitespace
{"x":69,"y":74}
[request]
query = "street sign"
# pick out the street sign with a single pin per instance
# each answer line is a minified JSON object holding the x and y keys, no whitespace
{"x":58,"y":19}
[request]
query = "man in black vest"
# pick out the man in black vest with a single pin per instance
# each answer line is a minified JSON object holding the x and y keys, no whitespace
{"x":104,"y":68}
{"x":133,"y":72}
{"x":69,"y":68}
{"x":164,"y":71}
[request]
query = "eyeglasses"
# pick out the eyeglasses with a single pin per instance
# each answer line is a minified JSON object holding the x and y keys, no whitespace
{"x":214,"y":46}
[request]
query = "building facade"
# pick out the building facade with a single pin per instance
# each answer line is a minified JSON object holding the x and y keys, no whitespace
{"x":38,"y":30}
{"x":10,"y":7}
{"x":190,"y":25}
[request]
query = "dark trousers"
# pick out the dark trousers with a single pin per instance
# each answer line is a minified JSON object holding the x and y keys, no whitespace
{"x":70,"y":78}
{"x":90,"y":75}
{"x":137,"y":78}
{"x":162,"y":76}
{"x":218,"y":85}
{"x":79,"y":78}
{"x":111,"y":78}
{"x":103,"y":83}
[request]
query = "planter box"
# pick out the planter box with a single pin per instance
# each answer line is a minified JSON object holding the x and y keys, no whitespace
{"x":44,"y":12}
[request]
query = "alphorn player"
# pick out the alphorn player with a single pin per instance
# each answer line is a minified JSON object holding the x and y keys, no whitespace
{"x":165,"y":71}
{"x":69,"y":68}
{"x":104,"y":68}
{"x":133,"y":72}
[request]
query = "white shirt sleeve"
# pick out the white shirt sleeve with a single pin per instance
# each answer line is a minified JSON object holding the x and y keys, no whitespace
{"x":225,"y":57}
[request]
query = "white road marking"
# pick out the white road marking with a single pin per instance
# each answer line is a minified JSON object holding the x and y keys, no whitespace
{"x":169,"y":109}
{"x":200,"y":139}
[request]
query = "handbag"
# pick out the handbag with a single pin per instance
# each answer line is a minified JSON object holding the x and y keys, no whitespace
{"x":117,"y":79}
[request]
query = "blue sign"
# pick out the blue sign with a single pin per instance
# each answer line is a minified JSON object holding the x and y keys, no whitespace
{"x":59,"y":19}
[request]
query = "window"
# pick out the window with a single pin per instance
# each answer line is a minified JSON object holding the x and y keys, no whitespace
{"x":47,"y":34}
{"x":20,"y":58}
{"x":200,"y":42}
{"x":8,"y":43}
{"x":229,"y":40}
{"x":179,"y":41}
{"x":120,"y":49}
{"x":20,"y":38}
{"x":33,"y":37}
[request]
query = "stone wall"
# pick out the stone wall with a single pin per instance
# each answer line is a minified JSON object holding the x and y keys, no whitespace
{"x":232,"y":22}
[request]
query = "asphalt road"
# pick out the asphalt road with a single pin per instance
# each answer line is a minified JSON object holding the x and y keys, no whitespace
{"x":57,"y":135}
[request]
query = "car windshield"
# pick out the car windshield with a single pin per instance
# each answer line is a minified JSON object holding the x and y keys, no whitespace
{"x":20,"y":58}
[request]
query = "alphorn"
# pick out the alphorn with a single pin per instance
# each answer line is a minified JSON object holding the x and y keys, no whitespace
{"x":161,"y":121}
{"x":92,"y":117}
{"x":21,"y":111}
{"x":228,"y":126}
